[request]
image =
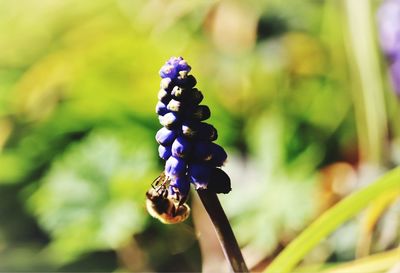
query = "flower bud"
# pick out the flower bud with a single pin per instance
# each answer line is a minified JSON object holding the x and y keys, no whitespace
{"x":174,"y":106}
{"x":166,"y":84}
{"x":169,"y":120}
{"x":179,"y":188}
{"x":207,"y":132}
{"x":196,"y":96}
{"x":202,"y":151}
{"x":183,"y":66}
{"x":163,"y":96}
{"x":161,"y":108}
{"x":181,"y":147}
{"x":218,"y":155}
{"x":180,"y":93}
{"x":199,"y":130}
{"x":175,"y":167}
{"x":165,"y":136}
{"x":164,"y":152}
{"x":187,"y":83}
{"x":168,"y":71}
{"x":190,"y":128}
{"x":199,"y":174}
{"x":200,"y":112}
{"x":219,"y":181}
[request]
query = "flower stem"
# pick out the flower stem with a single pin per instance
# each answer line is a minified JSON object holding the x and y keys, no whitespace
{"x":224,"y":231}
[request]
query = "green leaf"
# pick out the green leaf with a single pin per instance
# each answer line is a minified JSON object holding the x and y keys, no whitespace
{"x":331,"y":220}
{"x":381,"y":262}
{"x":92,"y":197}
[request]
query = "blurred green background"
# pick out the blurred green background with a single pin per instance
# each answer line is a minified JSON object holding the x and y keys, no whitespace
{"x":297,"y":89}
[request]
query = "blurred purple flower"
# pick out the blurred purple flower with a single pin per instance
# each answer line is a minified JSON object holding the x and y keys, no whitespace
{"x":395,"y":74}
{"x":388,"y":17}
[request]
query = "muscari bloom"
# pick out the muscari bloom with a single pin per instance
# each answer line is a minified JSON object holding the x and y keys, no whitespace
{"x":186,"y":141}
{"x":388,"y":17}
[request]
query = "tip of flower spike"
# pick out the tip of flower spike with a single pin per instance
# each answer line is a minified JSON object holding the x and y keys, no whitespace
{"x":168,"y":71}
{"x":173,"y":67}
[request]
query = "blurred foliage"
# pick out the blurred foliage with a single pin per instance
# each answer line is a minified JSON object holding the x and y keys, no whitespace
{"x":78,"y":84}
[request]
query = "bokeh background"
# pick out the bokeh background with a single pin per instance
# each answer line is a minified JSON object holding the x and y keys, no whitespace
{"x":298,"y":90}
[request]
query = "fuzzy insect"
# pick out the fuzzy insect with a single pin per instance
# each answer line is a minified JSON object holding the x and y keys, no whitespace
{"x":161,"y":206}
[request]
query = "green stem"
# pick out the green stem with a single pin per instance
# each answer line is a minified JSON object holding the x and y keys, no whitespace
{"x":224,"y":231}
{"x":369,"y":100}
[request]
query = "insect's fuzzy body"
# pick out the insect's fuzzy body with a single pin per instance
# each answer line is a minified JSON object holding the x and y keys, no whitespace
{"x":161,"y":206}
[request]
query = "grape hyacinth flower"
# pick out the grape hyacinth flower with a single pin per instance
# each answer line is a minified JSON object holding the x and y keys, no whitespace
{"x":186,"y":140}
{"x":186,"y":143}
{"x":388,"y":17}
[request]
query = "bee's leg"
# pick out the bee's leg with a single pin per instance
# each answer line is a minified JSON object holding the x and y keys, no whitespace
{"x":155,"y":185}
{"x":174,"y":210}
{"x":183,"y":200}
{"x":164,"y":192}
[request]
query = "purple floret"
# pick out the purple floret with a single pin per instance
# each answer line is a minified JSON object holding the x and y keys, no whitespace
{"x":169,"y":120}
{"x":164,"y":152}
{"x":168,"y":71}
{"x":175,"y":167}
{"x":199,"y":174}
{"x":180,"y":184}
{"x":161,"y":108}
{"x":218,"y":155}
{"x":181,"y":147}
{"x":202,"y":150}
{"x":165,"y":136}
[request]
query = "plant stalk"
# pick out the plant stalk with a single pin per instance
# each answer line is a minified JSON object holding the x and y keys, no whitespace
{"x":224,"y":231}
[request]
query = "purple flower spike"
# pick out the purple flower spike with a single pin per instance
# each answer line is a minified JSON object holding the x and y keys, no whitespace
{"x":175,"y":167}
{"x":199,"y":174}
{"x":165,"y":136}
{"x":181,"y":147}
{"x":186,"y":142}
